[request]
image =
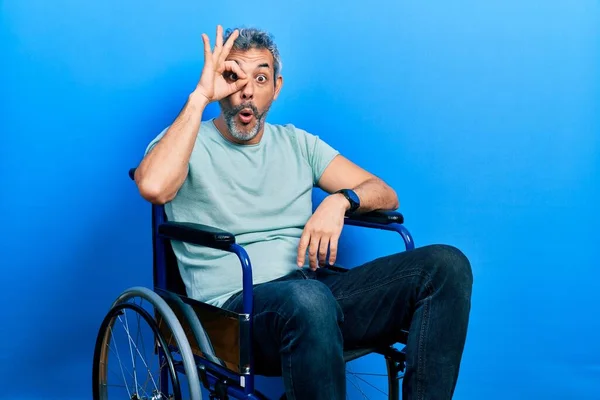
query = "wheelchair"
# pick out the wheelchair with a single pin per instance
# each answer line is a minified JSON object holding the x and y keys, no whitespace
{"x":165,"y":345}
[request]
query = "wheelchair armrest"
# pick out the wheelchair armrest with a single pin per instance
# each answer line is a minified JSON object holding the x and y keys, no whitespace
{"x":377,"y":217}
{"x":199,"y":234}
{"x":385,"y":220}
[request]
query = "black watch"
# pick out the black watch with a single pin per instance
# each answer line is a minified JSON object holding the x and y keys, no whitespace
{"x":352,"y":197}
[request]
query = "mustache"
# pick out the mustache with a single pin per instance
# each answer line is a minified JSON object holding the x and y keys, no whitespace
{"x":233,"y":111}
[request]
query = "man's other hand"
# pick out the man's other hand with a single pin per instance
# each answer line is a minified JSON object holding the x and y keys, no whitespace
{"x":322,"y":232}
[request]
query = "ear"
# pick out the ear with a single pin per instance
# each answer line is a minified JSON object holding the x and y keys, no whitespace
{"x":278,"y":85}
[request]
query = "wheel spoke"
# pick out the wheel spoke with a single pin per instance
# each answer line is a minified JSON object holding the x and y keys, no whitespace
{"x":130,"y":340}
{"x":126,"y":327}
{"x":367,"y":374}
{"x":145,"y":357}
{"x":358,"y":388}
{"x":370,"y":384}
{"x":119,"y":360}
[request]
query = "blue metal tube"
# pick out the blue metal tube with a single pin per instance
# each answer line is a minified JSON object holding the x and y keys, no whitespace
{"x":401,"y":229}
{"x":158,"y":217}
{"x":246,"y":276}
{"x":247,"y":298}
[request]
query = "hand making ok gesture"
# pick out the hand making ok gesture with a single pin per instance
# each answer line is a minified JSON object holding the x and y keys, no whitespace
{"x":220,"y":78}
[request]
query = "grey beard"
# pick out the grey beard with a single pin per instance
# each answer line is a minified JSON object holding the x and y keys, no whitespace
{"x":236,"y":132}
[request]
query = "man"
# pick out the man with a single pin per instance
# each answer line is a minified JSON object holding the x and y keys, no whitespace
{"x":254,"y":179}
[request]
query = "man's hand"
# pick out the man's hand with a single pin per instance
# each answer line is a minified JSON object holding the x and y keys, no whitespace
{"x":323,"y":231}
{"x":220,"y":78}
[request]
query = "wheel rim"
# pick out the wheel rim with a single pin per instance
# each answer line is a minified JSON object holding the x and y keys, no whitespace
{"x":130,"y":339}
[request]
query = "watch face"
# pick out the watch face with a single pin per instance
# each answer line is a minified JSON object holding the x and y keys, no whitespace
{"x":353,"y":196}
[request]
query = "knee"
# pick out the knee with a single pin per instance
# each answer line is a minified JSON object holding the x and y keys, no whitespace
{"x":313,"y":306}
{"x":451,"y":268}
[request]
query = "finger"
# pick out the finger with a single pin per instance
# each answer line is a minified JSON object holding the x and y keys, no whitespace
{"x":313,"y":249}
{"x":304,"y":241}
{"x":237,"y":85}
{"x":207,"y":52}
{"x":323,"y":250}
{"x":234,"y":67}
{"x":232,"y":77}
{"x":219,"y":39}
{"x":228,"y":45}
{"x":333,"y":247}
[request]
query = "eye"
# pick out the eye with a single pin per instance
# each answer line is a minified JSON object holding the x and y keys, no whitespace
{"x":232,"y":76}
{"x":261,"y":79}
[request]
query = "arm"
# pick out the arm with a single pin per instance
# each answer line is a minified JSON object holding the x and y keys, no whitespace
{"x":322,"y":231}
{"x":373,"y":192}
{"x":164,"y":169}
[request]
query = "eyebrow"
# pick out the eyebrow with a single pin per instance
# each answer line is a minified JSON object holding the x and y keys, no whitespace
{"x":263,"y":65}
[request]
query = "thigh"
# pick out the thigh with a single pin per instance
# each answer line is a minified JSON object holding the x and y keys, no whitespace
{"x":283,"y":308}
{"x":268,"y":296}
{"x":378,"y":297}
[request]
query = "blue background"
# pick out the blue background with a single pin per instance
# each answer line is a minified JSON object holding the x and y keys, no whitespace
{"x":484,"y":116}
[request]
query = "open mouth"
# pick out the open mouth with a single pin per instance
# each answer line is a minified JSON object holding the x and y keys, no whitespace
{"x":246,"y":115}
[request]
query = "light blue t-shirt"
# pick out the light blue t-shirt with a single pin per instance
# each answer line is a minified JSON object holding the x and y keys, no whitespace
{"x":260,"y":193}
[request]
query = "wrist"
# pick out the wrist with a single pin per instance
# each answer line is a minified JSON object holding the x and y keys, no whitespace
{"x":198,"y":100}
{"x":341,"y":200}
{"x":352,"y":200}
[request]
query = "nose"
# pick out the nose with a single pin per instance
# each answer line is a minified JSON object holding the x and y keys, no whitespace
{"x":247,"y":91}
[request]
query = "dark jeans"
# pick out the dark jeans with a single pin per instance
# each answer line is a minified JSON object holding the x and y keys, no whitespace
{"x":304,"y":321}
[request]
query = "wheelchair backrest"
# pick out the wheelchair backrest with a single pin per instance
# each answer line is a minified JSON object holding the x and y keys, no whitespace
{"x":165,"y":262}
{"x":165,"y":269}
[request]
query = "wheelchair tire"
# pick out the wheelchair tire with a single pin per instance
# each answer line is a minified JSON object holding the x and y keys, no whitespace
{"x":127,"y":302}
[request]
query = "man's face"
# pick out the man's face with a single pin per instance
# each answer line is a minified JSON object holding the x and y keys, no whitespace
{"x":245,"y":110}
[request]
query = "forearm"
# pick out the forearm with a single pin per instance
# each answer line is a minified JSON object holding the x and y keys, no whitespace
{"x":375,"y":194}
{"x":164,"y":169}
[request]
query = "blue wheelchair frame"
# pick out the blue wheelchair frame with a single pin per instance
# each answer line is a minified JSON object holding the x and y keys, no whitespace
{"x":164,"y":231}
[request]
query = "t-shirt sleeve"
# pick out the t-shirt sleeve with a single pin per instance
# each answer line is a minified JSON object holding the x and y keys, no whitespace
{"x":317,"y":152}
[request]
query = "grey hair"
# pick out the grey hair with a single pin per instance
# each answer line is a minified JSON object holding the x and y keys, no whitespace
{"x":253,"y":38}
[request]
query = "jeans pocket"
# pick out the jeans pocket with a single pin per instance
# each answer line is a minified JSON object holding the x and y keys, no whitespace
{"x":307,"y":273}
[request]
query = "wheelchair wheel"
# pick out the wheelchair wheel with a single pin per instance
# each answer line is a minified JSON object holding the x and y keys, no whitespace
{"x":142,"y":352}
{"x":373,"y":377}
